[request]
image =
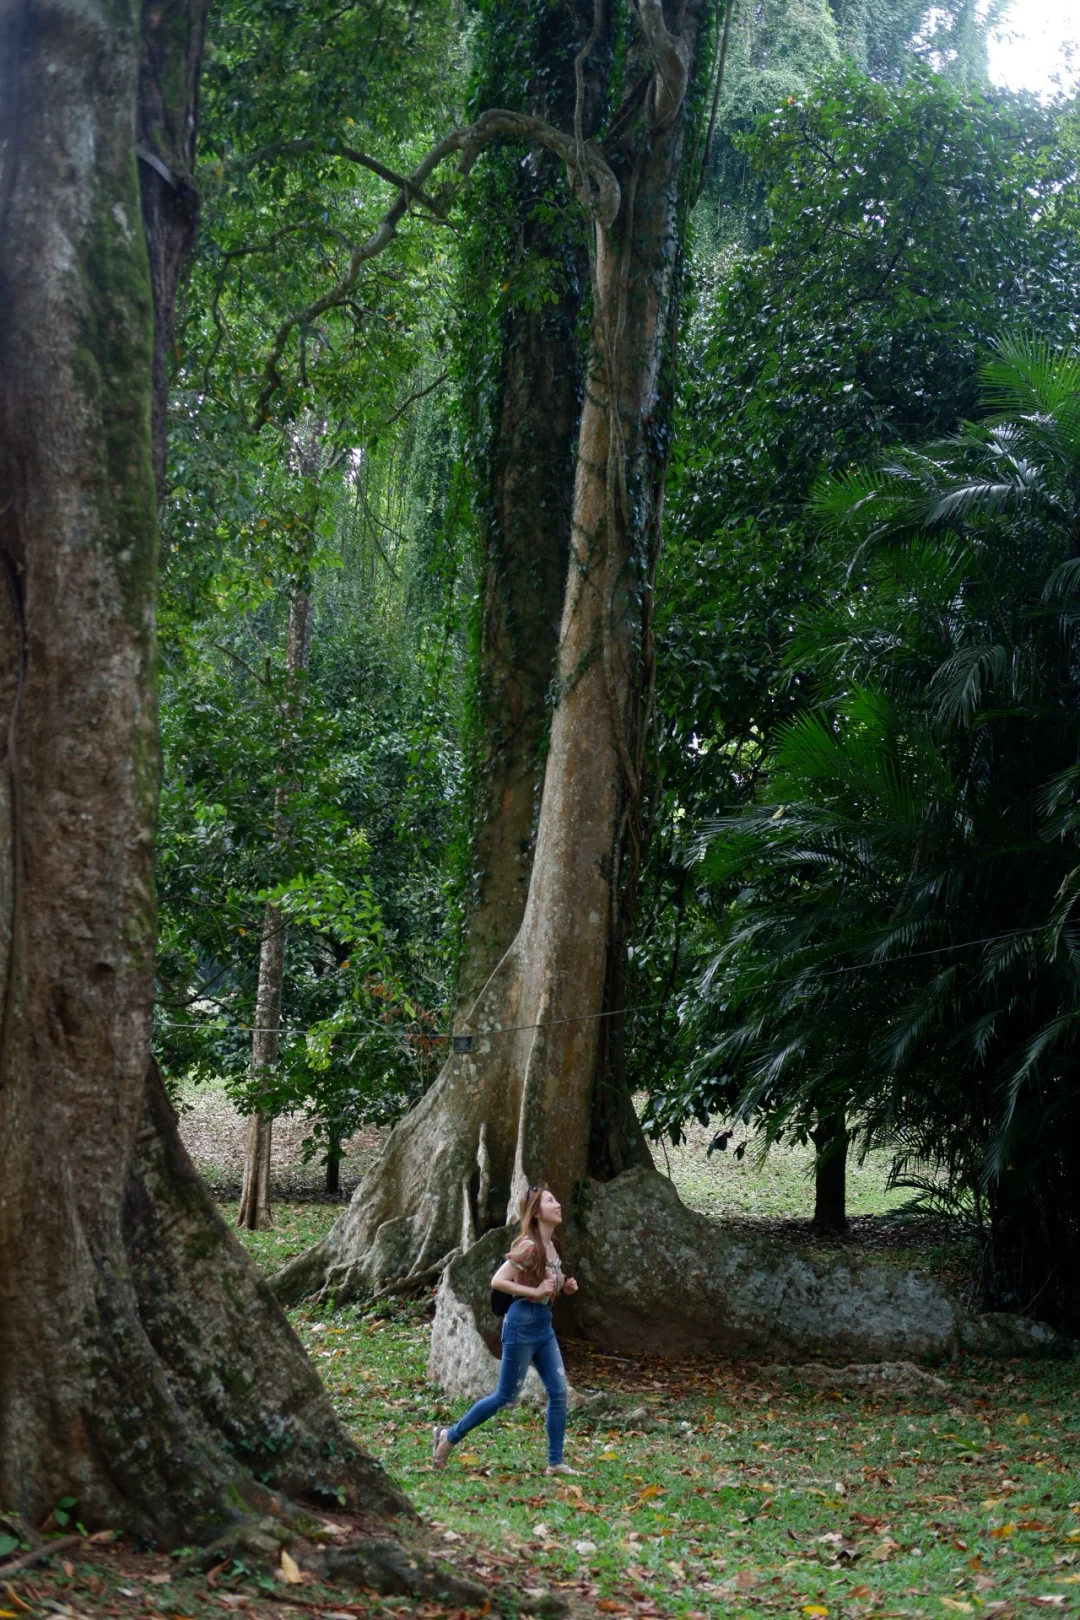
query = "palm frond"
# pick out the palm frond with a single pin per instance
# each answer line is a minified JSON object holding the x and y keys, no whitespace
{"x":1027,"y":374}
{"x":1064,"y":582}
{"x":964,"y":679}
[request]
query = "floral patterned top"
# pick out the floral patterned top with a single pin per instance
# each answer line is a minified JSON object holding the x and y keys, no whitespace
{"x":524,"y":1258}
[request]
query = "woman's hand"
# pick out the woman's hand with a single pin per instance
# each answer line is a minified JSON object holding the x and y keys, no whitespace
{"x":570,"y":1286}
{"x":544,"y":1290}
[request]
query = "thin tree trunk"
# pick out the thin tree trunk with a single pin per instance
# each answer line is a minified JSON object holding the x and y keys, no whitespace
{"x":830,"y":1138}
{"x":518,"y":1107}
{"x":333,"y":1174}
{"x":254,"y":1213}
{"x":143,"y":1369}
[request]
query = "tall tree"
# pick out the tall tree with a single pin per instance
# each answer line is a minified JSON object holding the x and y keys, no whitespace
{"x":128,"y":1314}
{"x":520,"y":1105}
{"x":527,"y":471}
{"x":254,"y":1212}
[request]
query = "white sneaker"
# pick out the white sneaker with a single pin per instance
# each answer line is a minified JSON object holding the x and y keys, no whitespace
{"x":440,"y":1447}
{"x":562,"y":1468}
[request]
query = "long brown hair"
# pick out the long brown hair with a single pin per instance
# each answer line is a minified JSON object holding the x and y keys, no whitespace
{"x":529,"y":1213}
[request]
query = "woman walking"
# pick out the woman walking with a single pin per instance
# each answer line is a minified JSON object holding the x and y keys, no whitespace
{"x":532,"y":1274}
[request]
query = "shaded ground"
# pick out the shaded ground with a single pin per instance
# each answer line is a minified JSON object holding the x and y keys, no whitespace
{"x":214,"y":1134}
{"x":709,"y":1489}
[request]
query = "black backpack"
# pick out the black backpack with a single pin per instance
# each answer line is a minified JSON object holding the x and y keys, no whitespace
{"x":500,"y":1302}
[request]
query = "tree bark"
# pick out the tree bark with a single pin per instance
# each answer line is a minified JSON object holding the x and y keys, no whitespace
{"x":254,"y":1213}
{"x":144,"y":1368}
{"x":519,"y":1106}
{"x":170,"y":69}
{"x":527,"y":515}
{"x":830,"y":1138}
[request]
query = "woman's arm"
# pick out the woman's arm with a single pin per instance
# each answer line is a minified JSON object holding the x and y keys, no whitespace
{"x":506,"y":1281}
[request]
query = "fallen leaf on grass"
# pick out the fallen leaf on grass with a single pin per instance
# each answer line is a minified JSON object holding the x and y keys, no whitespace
{"x":1002,"y":1531}
{"x":159,"y":1580}
{"x":1033,"y":1524}
{"x":957,"y":1604}
{"x":883,"y":1550}
{"x":1051,"y":1600}
{"x":646,"y":1494}
{"x":577,"y":1495}
{"x":469,"y":1458}
{"x":609,"y":1606}
{"x":584,"y":1548}
{"x":816,"y":1611}
{"x":290,"y":1569}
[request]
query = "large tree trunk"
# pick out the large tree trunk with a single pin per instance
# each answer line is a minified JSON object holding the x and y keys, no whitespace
{"x":144,"y":1369}
{"x":254,"y":1211}
{"x":519,"y":1106}
{"x":529,"y":474}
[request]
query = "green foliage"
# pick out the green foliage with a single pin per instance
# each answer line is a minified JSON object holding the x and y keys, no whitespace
{"x":371,"y":771}
{"x":777,"y":51}
{"x":906,"y":226}
{"x":903,"y":941}
{"x":331,"y":796}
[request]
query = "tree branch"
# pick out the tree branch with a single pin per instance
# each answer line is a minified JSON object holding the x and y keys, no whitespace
{"x":469,"y":142}
{"x":353,"y":154}
{"x":672,"y":59}
{"x":419,"y":393}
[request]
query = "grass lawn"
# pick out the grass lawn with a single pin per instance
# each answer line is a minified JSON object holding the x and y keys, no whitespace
{"x":712,"y":1489}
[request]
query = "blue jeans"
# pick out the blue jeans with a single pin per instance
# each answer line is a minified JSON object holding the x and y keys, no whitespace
{"x":527,"y":1336}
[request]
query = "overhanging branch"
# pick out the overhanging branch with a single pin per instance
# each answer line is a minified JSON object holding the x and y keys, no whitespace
{"x":602,"y":196}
